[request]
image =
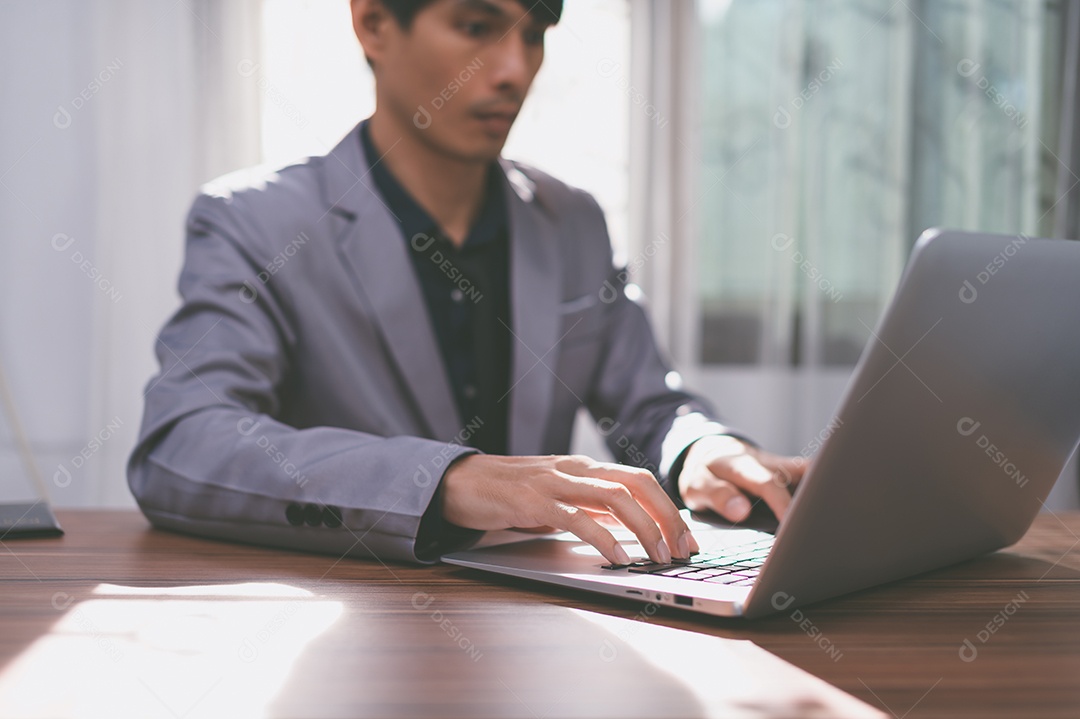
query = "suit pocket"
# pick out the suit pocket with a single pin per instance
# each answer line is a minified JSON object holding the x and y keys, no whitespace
{"x":581,"y":319}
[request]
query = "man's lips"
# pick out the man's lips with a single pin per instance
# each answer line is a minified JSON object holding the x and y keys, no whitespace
{"x":498,"y":120}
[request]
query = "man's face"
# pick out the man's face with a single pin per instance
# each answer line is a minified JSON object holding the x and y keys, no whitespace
{"x":457,"y":77}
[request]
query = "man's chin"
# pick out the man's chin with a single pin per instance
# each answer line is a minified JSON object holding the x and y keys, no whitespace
{"x":468,"y":147}
{"x":484,"y":152}
{"x":490,"y":143}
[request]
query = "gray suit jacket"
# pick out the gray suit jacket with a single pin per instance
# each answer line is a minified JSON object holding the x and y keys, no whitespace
{"x":302,"y":400}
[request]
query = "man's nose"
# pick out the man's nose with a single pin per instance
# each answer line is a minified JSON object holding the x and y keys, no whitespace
{"x":511,"y":67}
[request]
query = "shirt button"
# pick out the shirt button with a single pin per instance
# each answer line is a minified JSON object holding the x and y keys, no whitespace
{"x":457,"y":295}
{"x":469,"y":391}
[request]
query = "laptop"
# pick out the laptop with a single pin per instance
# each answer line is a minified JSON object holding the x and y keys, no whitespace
{"x":960,"y":415}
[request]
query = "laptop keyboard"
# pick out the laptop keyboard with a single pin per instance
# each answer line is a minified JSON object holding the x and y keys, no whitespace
{"x":737,"y":565}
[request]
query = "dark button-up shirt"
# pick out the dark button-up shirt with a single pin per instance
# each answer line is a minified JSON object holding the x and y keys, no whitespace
{"x":467,"y":294}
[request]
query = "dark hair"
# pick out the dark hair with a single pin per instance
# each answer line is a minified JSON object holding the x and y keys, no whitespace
{"x":405,"y":10}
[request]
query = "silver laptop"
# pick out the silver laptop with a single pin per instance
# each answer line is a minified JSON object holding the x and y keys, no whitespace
{"x":962,"y":412}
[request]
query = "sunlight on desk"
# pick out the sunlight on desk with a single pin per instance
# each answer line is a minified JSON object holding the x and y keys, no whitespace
{"x":194,"y":651}
{"x":728,"y":677}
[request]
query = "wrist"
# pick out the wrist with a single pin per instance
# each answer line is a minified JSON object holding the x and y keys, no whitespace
{"x":450,"y":485}
{"x":706,"y":449}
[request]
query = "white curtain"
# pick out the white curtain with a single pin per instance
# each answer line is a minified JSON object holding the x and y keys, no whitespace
{"x":118,"y":113}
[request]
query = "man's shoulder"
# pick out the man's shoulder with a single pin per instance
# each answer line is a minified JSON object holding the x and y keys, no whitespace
{"x":272,"y":182}
{"x":261,"y":208}
{"x":286,"y":184}
{"x":552,"y":193}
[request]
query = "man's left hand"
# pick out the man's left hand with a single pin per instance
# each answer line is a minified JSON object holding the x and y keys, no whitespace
{"x":725,"y":475}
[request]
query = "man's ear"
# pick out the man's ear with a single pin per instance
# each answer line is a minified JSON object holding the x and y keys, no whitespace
{"x":370,"y":23}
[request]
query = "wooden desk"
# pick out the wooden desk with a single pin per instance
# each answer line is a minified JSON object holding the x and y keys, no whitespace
{"x":357,"y":638}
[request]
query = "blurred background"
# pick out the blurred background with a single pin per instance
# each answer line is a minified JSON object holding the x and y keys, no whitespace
{"x":765,"y":167}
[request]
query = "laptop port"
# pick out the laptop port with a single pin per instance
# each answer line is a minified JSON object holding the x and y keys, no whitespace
{"x":684,"y":601}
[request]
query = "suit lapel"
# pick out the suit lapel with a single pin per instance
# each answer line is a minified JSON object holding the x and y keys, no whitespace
{"x":535,"y":289}
{"x":373,"y":248}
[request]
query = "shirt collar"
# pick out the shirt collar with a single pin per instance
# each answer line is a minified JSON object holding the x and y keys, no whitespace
{"x":415,"y":220}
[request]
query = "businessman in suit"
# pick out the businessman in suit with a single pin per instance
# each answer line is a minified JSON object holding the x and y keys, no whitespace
{"x":381,"y":351}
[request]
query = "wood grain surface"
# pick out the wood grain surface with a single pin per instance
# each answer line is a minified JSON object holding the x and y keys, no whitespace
{"x":298,"y":634}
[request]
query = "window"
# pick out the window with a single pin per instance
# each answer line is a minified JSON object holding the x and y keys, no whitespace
{"x":833,"y":133}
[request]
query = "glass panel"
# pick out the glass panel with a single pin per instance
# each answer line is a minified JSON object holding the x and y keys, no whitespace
{"x":833,"y":132}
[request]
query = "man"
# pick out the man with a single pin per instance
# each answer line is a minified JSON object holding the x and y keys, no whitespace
{"x":381,"y":351}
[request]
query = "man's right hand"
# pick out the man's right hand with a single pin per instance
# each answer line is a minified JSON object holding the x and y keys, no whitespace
{"x":571,"y":493}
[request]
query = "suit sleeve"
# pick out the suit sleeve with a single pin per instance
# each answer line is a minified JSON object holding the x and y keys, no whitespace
{"x":213,"y":460}
{"x":646,"y":418}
